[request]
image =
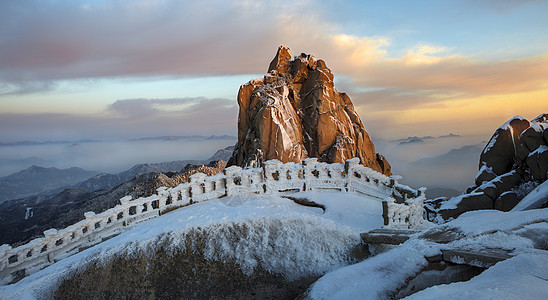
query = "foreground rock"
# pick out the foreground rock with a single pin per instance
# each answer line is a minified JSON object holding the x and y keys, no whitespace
{"x":295,"y":112}
{"x":514,"y":161}
{"x":190,"y":276}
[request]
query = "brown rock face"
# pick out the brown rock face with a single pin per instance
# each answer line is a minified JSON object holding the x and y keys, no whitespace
{"x":295,"y":112}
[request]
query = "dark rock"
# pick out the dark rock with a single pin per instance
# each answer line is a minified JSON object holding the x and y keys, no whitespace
{"x":468,"y":202}
{"x":489,"y":190}
{"x":507,"y":181}
{"x":537,"y":162}
{"x":470,"y":189}
{"x":541,"y":118}
{"x":500,"y":150}
{"x":506,"y":201}
{"x":485,"y":174}
{"x":532,"y":137}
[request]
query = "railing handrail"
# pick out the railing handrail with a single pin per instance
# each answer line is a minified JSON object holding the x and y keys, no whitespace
{"x":273,"y":177}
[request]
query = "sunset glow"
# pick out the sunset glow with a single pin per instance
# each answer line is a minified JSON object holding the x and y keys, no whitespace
{"x":428,"y":68}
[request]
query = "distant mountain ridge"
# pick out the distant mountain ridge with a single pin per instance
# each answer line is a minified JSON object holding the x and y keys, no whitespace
{"x":63,"y":207}
{"x":465,"y":153}
{"x":108,"y":181}
{"x":416,"y":139}
{"x":37,"y":179}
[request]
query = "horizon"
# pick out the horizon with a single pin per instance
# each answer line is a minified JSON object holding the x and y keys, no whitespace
{"x":129,"y":69}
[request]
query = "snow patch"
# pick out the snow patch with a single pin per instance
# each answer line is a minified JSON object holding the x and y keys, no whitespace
{"x":520,"y":277}
{"x":253,"y":230}
{"x":534,"y":199}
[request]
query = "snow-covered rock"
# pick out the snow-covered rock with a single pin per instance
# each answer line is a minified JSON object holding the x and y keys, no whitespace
{"x":523,"y":276}
{"x":518,"y":153}
{"x":499,"y":152}
{"x":535,"y":199}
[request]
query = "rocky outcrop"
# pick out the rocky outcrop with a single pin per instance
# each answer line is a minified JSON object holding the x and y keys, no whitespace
{"x":500,"y":152}
{"x":295,"y":112}
{"x":516,"y":154}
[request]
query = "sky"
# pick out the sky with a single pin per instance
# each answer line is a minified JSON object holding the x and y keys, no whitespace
{"x":125,"y":69}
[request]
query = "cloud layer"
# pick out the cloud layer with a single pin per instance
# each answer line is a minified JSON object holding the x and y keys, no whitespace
{"x":129,"y":118}
{"x":45,"y":42}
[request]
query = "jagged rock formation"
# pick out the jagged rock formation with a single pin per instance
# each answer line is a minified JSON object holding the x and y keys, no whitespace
{"x":295,"y":112}
{"x":515,"y":156}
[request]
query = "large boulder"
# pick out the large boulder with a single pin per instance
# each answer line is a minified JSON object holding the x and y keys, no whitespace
{"x":500,"y":151}
{"x":506,"y":201}
{"x":516,"y":155}
{"x":537,"y":161}
{"x":463,"y":203}
{"x":484,"y":174}
{"x":295,"y":112}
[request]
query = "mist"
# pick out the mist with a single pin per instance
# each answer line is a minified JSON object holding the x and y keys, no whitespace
{"x":446,"y":162}
{"x":107,"y":157}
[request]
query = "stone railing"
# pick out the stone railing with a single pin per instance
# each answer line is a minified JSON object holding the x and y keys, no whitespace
{"x":273,"y":177}
{"x":404,"y":211}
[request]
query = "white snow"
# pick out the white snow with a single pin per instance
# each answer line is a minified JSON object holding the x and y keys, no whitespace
{"x":371,"y":278}
{"x":484,"y":221}
{"x":453,"y":202}
{"x":522,"y":277}
{"x":295,"y":240}
{"x":539,"y":150}
{"x":525,"y":276}
{"x":279,"y":235}
{"x":534,"y":199}
{"x":507,"y":124}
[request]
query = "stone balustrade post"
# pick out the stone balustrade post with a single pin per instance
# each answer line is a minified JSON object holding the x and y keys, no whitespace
{"x":5,"y":251}
{"x":386,"y":213}
{"x":196,"y":189}
{"x":350,"y":165}
{"x":125,"y":200}
{"x":272,"y":175}
{"x":163,"y":193}
{"x":230,"y":185}
{"x":90,"y":218}
{"x":309,"y":165}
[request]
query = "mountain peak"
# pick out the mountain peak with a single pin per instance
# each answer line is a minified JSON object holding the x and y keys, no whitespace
{"x":294,"y":112}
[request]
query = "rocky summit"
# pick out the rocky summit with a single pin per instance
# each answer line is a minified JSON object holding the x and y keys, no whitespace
{"x":294,"y":112}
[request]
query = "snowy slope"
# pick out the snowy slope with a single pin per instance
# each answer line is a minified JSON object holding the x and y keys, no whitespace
{"x":534,"y":199}
{"x":282,"y":237}
{"x":525,"y":276}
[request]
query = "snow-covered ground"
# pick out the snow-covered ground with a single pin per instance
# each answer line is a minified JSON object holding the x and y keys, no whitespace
{"x":524,"y":276}
{"x":281,"y":236}
{"x":295,"y":240}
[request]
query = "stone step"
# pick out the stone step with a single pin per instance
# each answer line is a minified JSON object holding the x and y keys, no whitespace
{"x":483,"y":258}
{"x":387,"y":236}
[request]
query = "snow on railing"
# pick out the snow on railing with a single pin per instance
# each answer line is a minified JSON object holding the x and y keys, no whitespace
{"x":404,"y":213}
{"x":273,"y":177}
